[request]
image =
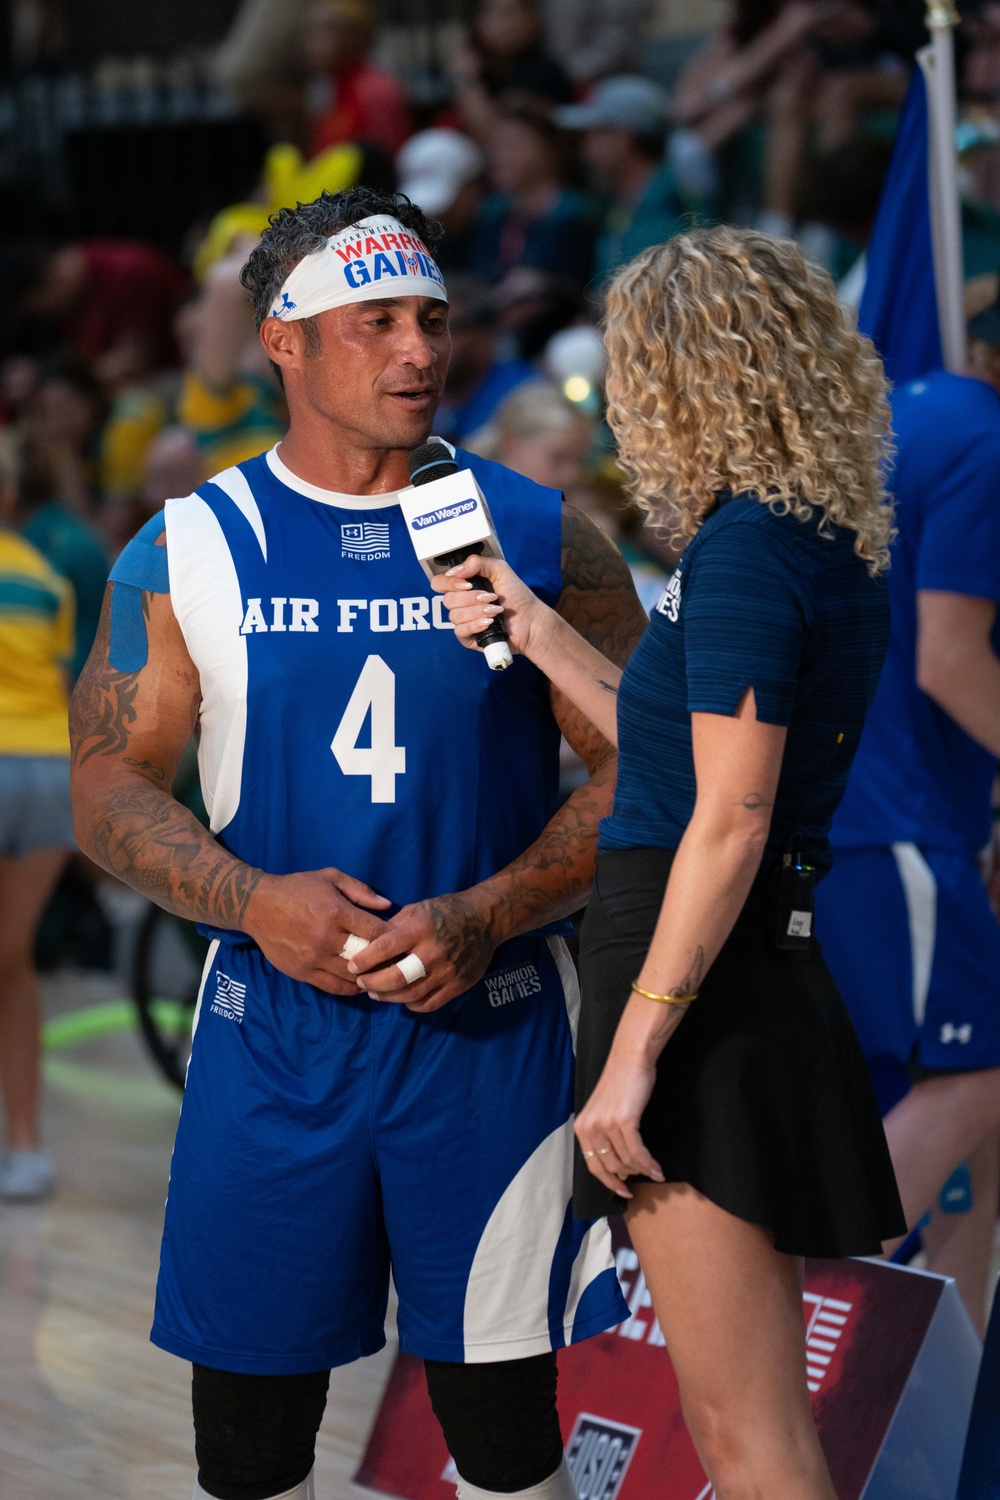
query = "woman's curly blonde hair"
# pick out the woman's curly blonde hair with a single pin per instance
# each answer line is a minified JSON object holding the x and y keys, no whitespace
{"x":733,"y":367}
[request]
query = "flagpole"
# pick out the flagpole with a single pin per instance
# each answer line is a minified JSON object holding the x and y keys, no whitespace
{"x":937,"y":61}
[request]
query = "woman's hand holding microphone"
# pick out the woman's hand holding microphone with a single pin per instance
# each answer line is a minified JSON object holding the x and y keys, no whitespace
{"x":472,"y":610}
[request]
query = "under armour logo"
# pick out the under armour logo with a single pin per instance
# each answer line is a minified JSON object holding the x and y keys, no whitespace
{"x":230,"y":998}
{"x":287,"y":305}
{"x":950,"y":1033}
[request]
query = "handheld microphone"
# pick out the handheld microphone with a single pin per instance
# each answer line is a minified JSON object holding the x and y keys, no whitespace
{"x":448,"y":520}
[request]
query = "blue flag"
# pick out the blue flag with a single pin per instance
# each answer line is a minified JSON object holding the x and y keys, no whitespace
{"x":899,"y":310}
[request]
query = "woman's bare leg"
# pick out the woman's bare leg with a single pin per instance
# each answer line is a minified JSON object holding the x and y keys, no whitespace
{"x":25,"y":887}
{"x":730,"y":1307}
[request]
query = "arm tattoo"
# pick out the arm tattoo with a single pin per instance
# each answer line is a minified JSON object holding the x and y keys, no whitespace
{"x":754,"y":802}
{"x":146,"y":838}
{"x":691,"y":982}
{"x":129,"y":821}
{"x":608,"y":687}
{"x":552,"y":878}
{"x":147,"y":767}
{"x":462,"y":932}
{"x":690,"y":985}
{"x":102,"y":708}
{"x":598,"y":597}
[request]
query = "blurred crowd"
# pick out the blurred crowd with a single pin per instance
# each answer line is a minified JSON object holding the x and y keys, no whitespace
{"x":560,"y":139}
{"x":551,"y":155}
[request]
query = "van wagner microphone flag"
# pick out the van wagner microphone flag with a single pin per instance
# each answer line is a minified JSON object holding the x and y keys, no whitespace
{"x":911,"y":308}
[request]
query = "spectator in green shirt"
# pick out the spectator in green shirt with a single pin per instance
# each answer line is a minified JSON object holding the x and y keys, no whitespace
{"x":624,"y":125}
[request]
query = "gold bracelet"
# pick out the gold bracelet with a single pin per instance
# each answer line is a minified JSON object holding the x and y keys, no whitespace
{"x":665,"y":999}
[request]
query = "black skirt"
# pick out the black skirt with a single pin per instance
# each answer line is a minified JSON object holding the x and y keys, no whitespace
{"x":762,"y":1099}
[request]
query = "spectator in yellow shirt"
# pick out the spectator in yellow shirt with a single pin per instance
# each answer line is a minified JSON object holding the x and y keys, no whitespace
{"x":36,"y":826}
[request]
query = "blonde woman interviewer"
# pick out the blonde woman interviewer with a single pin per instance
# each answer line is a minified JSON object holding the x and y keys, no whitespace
{"x":724,"y":1102}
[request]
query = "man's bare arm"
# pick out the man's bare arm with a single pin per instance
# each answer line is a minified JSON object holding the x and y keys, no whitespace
{"x":455,"y":935}
{"x":128,"y":731}
{"x":553,"y":876}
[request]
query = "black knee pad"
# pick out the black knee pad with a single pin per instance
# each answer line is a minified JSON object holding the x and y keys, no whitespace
{"x":255,"y":1435}
{"x":499,"y":1420}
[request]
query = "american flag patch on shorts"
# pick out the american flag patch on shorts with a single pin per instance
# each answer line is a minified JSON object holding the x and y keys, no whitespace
{"x":230,"y":997}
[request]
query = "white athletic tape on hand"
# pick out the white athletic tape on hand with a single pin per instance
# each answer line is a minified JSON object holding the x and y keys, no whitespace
{"x":375,"y":258}
{"x":411,"y":968}
{"x":353,"y":946}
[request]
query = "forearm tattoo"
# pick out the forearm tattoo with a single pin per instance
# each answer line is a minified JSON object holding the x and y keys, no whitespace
{"x":135,"y":829}
{"x":691,"y":982}
{"x":157,"y":846}
{"x":553,"y":877}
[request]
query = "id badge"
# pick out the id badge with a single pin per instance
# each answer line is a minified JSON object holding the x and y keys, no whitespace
{"x":794,"y":905}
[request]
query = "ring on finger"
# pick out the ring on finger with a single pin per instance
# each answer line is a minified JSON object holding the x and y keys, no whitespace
{"x":588,"y":1154}
{"x":411,"y":968}
{"x":605,"y":1151}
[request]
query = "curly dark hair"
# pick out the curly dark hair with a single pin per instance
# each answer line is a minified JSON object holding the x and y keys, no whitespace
{"x":297,"y":232}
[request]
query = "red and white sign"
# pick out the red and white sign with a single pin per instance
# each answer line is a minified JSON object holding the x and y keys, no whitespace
{"x":866,"y":1325}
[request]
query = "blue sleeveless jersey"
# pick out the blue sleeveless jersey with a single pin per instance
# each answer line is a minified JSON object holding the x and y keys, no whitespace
{"x":341,"y":722}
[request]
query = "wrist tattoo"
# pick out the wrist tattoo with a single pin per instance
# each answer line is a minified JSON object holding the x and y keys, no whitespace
{"x":692,"y":979}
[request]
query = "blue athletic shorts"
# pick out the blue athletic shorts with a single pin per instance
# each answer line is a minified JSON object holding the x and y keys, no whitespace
{"x":915,"y":950}
{"x":323,"y":1141}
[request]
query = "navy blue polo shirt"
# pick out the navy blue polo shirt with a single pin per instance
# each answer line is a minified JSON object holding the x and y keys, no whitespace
{"x":764,"y":601}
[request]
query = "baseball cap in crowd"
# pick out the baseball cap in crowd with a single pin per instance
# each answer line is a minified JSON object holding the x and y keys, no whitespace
{"x":435,"y":165}
{"x":625,"y":102}
{"x":986,"y":324}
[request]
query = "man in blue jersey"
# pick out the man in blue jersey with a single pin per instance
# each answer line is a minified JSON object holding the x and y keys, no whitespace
{"x":364,"y":777}
{"x":904,"y":917}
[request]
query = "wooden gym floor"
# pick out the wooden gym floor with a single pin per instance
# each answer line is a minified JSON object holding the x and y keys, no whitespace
{"x":89,"y":1410}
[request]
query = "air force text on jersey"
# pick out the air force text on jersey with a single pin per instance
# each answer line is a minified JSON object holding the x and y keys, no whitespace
{"x":301,"y":616}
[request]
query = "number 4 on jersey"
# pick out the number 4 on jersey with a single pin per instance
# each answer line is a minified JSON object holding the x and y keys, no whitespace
{"x":383,"y":760}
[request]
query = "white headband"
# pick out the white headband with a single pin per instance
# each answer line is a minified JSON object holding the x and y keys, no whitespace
{"x":376,"y":257}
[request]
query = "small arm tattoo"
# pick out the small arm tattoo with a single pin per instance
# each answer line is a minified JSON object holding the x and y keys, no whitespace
{"x":754,"y":802}
{"x":147,"y":767}
{"x":692,"y":980}
{"x":609,"y":687}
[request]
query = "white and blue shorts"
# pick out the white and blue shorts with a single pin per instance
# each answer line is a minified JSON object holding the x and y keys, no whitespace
{"x":915,"y":949}
{"x":323,"y":1141}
